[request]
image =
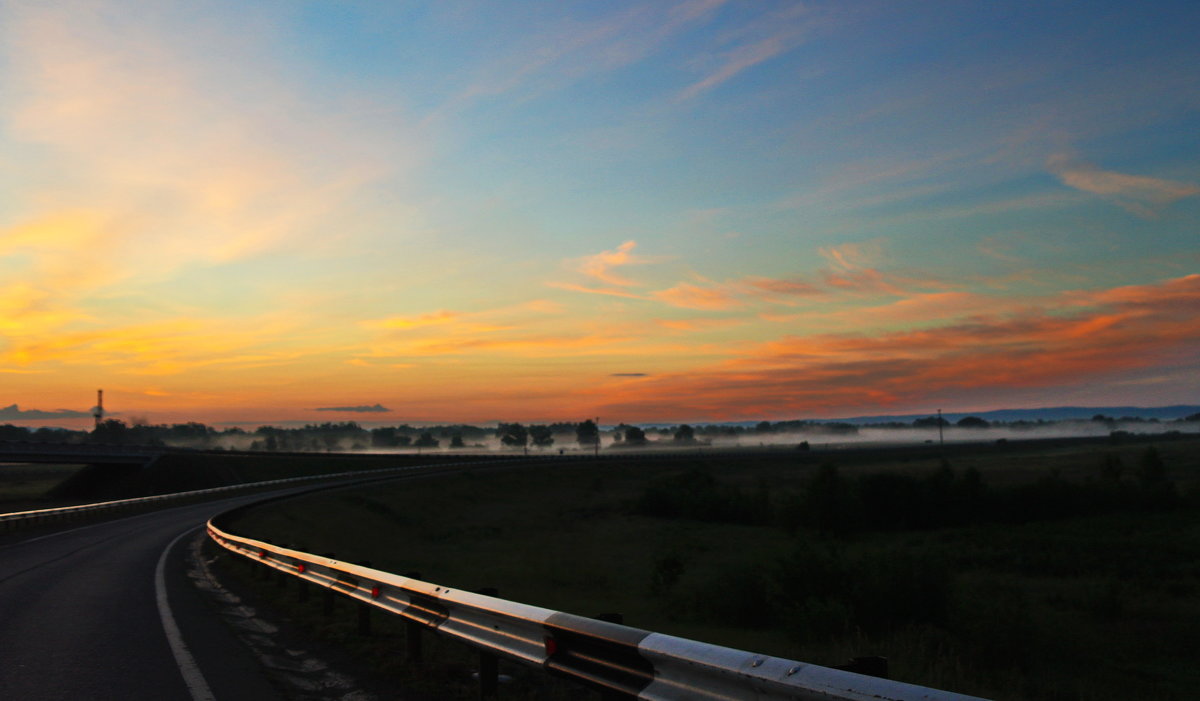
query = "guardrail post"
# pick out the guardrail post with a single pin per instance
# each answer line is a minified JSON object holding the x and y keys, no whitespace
{"x":301,"y":582}
{"x":364,"y":618}
{"x":489,"y":675}
{"x":489,"y":664}
{"x":327,"y":593}
{"x":609,"y":694}
{"x":412,"y":642}
{"x":364,"y":610}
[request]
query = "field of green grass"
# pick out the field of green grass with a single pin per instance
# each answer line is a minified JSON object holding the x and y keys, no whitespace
{"x":1010,"y":572}
{"x":27,"y":486}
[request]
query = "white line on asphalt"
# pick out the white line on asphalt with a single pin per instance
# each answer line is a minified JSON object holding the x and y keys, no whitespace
{"x":192,"y":676}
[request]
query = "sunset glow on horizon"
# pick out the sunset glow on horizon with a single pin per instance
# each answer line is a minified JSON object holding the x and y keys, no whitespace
{"x":697,"y":210}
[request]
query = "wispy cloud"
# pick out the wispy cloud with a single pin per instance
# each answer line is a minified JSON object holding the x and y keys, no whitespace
{"x":362,"y":409}
{"x":15,"y":413}
{"x":186,"y":144}
{"x":692,"y":296}
{"x":771,"y":36}
{"x":570,"y":50}
{"x":1139,"y":194}
{"x":601,"y":265}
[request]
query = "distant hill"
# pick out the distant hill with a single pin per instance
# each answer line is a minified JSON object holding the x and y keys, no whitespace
{"x":1059,"y":413}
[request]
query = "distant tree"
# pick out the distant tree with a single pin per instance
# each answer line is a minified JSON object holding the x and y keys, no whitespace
{"x":972,"y":422}
{"x":111,"y":432}
{"x":513,"y":435}
{"x":685,"y":434}
{"x":541,"y":436}
{"x":456,"y":441}
{"x":763,"y":427}
{"x":587,"y":433}
{"x":930,"y":422}
{"x":383,"y":437}
{"x":427,"y":441}
{"x":635,"y":436}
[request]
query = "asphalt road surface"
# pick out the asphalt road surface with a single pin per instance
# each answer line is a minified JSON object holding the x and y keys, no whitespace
{"x":105,"y":611}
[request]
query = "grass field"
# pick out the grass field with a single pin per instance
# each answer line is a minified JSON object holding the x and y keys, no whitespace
{"x":1101,"y":601}
{"x":26,"y":486}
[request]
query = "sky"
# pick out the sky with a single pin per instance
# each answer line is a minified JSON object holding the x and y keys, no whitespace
{"x":677,"y":210}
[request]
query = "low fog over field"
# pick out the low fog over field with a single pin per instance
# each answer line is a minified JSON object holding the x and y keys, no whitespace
{"x":569,"y":437}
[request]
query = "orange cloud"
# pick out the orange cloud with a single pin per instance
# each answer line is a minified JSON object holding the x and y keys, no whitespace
{"x":600,"y":266}
{"x":690,"y":296}
{"x":607,"y":291}
{"x":1111,"y":332}
{"x":404,"y":323}
{"x":696,"y":324}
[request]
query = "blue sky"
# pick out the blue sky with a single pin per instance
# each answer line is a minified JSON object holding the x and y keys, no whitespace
{"x":472,"y":211}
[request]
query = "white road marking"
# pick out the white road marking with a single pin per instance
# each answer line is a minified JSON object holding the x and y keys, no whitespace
{"x":192,"y":676}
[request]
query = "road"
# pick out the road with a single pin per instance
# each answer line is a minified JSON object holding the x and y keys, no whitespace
{"x":82,"y":616}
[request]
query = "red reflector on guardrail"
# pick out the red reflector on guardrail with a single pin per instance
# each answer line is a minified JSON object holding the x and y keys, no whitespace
{"x":551,"y":646}
{"x":375,"y":592}
{"x":301,"y":567}
{"x":262,"y":554}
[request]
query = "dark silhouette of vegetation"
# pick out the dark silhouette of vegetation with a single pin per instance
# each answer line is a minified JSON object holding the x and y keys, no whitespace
{"x":513,"y":435}
{"x":698,"y":496}
{"x":900,"y":501}
{"x":972,"y":422}
{"x":930,"y":422}
{"x":542,"y":436}
{"x":587,"y":433}
{"x":635,"y":436}
{"x":426,"y":441}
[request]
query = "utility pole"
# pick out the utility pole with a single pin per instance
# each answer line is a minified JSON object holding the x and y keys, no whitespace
{"x":98,"y":412}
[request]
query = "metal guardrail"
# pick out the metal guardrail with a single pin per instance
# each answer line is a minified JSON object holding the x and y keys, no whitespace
{"x":622,"y":661}
{"x":11,"y":520}
{"x":36,"y":516}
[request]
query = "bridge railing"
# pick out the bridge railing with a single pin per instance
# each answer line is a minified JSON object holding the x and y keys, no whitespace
{"x":622,"y":661}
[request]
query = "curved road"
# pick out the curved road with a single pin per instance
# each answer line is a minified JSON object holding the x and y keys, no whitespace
{"x":82,"y":615}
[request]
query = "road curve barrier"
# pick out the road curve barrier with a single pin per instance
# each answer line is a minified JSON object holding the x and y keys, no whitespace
{"x":19,"y":519}
{"x":622,"y":661}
